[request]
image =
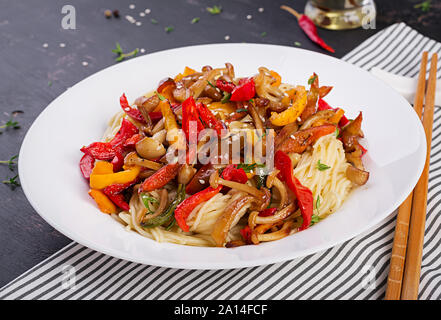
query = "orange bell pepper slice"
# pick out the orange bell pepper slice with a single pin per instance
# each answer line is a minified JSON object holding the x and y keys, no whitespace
{"x":278,"y":78}
{"x":103,"y":202}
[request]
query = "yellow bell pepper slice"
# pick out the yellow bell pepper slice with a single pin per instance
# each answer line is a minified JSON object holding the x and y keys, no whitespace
{"x":103,"y":202}
{"x":100,"y":181}
{"x":102,"y":167}
{"x":291,"y":114}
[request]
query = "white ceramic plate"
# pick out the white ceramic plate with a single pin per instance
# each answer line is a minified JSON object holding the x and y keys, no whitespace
{"x":51,"y":180}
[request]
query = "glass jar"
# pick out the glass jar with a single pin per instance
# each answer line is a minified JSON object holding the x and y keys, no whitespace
{"x":341,"y":14}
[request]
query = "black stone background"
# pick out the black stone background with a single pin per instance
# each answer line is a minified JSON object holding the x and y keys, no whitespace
{"x":31,"y":76}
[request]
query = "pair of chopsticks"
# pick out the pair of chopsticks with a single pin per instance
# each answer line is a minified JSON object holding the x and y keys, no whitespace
{"x":405,"y":263}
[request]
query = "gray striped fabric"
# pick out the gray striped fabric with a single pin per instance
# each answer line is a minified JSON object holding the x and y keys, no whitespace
{"x":356,"y":269}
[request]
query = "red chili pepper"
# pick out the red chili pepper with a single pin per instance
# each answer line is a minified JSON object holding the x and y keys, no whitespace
{"x":225,"y":86}
{"x":184,"y":209}
{"x":189,"y":114}
{"x":232,"y":173}
{"x":245,"y":91}
{"x":303,"y":194}
{"x":119,"y":200}
{"x":245,"y":232}
{"x":133,"y":140}
{"x":323,"y":105}
{"x":160,"y":178}
{"x":100,"y":150}
{"x":267,"y":212}
{"x":308,"y":26}
{"x":155,"y":116}
{"x":209,"y":119}
{"x":86,"y":165}
{"x":126,"y":131}
{"x":131,"y":112}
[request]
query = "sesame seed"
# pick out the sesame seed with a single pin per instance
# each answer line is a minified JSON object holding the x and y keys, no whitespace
{"x":147,"y":11}
{"x":130,"y":19}
{"x":227,"y":37}
{"x":260,"y":9}
{"x":138,"y":23}
{"x":142,"y":14}
{"x":132,"y":6}
{"x":142,"y":50}
{"x":62,"y":45}
{"x":201,"y":181}
{"x":249,"y":17}
{"x":45,"y":45}
{"x":85,"y":63}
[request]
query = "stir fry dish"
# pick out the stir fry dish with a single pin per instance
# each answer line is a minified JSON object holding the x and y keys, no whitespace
{"x":211,"y":159}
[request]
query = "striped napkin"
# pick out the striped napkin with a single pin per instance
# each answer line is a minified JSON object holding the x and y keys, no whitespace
{"x":357,"y":269}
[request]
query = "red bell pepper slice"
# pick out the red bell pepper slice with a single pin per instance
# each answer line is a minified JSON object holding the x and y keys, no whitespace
{"x":245,"y":91}
{"x":133,"y":140}
{"x":225,"y":86}
{"x":323,"y":105}
{"x":232,"y":173}
{"x":100,"y":150}
{"x":245,"y":232}
{"x":184,"y":209}
{"x":189,"y":113}
{"x":267,"y":212}
{"x":304,"y":197}
{"x":119,"y":200}
{"x":131,"y":112}
{"x":209,"y":119}
{"x":118,"y":188}
{"x":155,"y":116}
{"x":86,"y":165}
{"x":160,"y":178}
{"x":118,"y":159}
{"x":126,"y":131}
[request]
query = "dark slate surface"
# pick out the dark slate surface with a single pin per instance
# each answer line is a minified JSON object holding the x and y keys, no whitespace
{"x":32,"y":76}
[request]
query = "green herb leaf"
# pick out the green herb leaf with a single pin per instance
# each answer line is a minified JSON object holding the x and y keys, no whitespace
{"x":122,"y":55}
{"x":298,"y":44}
{"x":226,"y":97}
{"x":214,"y":10}
{"x":10,"y":124}
{"x":195,"y":20}
{"x":154,"y":21}
{"x":11,"y":163}
{"x":49,"y":83}
{"x":249,"y":167}
{"x":12,"y":182}
{"x":424,"y":6}
{"x":312,"y":79}
{"x":242,"y":110}
{"x":118,"y":49}
{"x":317,"y":203}
{"x":337,"y":132}
{"x":169,"y":29}
{"x":211,"y":85}
{"x":322,"y":166}
{"x":160,"y":96}
{"x":263,"y":34}
{"x":314,"y":219}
